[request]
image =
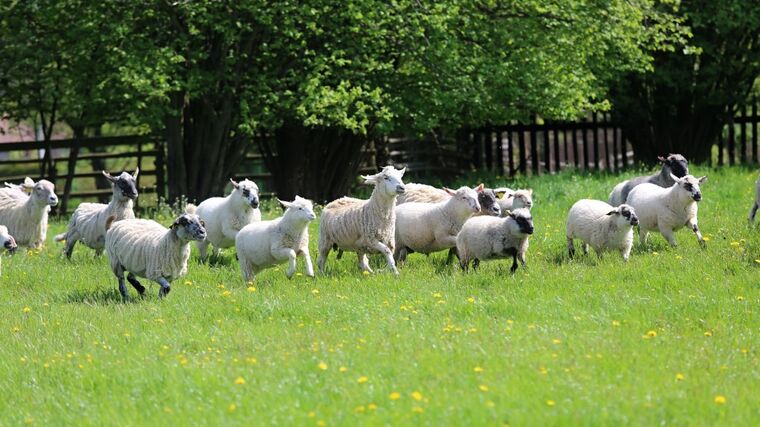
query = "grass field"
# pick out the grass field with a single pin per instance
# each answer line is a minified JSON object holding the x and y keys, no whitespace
{"x":672,"y":337}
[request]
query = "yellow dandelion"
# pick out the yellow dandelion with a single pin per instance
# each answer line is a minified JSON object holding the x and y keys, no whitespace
{"x":652,"y":334}
{"x":365,"y":272}
{"x":708,"y":333}
{"x":342,"y":369}
{"x":371,"y":407}
{"x":490,"y":404}
{"x":359,"y":409}
{"x":679,"y":377}
{"x":483,"y":387}
{"x":311,"y":414}
{"x":543,"y":370}
{"x":418,"y":410}
{"x":739,"y":298}
{"x":437,"y":295}
{"x":477,"y":369}
{"x":557,"y":341}
{"x":735,"y":243}
{"x":362,"y":380}
{"x":655,"y":253}
{"x":550,"y":402}
{"x":321,"y":423}
{"x":615,"y":323}
{"x":471,"y":300}
{"x":315,"y":291}
{"x":26,"y":309}
{"x":251,"y":289}
{"x":720,"y":399}
{"x":706,"y":238}
{"x":757,"y":260}
{"x":394,"y":396}
{"x":232,"y":407}
{"x":299,"y":274}
{"x":416,"y":395}
{"x":679,"y":257}
{"x":188,"y":282}
{"x":239,"y":380}
{"x":322,"y":366}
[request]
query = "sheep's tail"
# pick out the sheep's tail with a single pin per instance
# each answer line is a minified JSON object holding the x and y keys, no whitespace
{"x":191,"y":209}
{"x":109,"y":221}
{"x":61,"y":237}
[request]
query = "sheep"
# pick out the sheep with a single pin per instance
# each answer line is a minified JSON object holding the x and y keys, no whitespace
{"x":602,"y":226}
{"x":8,"y":242}
{"x":147,"y":249}
{"x":263,"y":244}
{"x":87,"y":223}
{"x":511,"y":199}
{"x":423,"y":193}
{"x":363,"y":226}
{"x":756,"y":203}
{"x":674,"y":164}
{"x":485,"y":237}
{"x":432,"y":227}
{"x":667,"y":209}
{"x":226,"y":216}
{"x":26,"y":215}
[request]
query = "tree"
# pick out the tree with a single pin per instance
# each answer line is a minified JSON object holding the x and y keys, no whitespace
{"x":682,"y":104}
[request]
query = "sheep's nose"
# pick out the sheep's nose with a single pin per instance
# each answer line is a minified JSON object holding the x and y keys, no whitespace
{"x":697,"y":197}
{"x":495,"y":210}
{"x":529,"y":230}
{"x":634,"y":221}
{"x":312,"y":216}
{"x":255,"y":202}
{"x":400,"y":189}
{"x":52,"y":200}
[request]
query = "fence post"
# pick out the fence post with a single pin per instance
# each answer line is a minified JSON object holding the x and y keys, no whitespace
{"x":511,"y":153}
{"x":534,"y":160}
{"x":575,"y":148}
{"x":743,"y":135}
{"x":160,"y":165}
{"x":523,"y":149}
{"x":499,"y":152}
{"x":595,"y":140}
{"x":555,"y":133}
{"x":754,"y":131}
{"x":476,"y":154}
{"x":547,"y":149}
{"x":488,"y":148}
{"x":731,"y":142}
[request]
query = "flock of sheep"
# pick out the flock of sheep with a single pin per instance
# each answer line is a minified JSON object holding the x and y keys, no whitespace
{"x":473,"y":224}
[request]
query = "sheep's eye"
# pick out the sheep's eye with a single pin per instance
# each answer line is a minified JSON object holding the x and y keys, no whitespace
{"x":387,"y":178}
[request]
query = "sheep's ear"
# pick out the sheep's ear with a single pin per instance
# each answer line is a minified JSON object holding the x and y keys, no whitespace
{"x":402,"y":171}
{"x":28,"y":183}
{"x":369,"y":179}
{"x":499,"y":194}
{"x":675,"y":178}
{"x":235,"y":185}
{"x":511,"y":195}
{"x":530,"y":192}
{"x":449,"y":191}
{"x":284,"y":203}
{"x":662,"y":159}
{"x":134,"y":175}
{"x":108,"y":176}
{"x":479,"y":188}
{"x":702,"y":179}
{"x":612,"y":212}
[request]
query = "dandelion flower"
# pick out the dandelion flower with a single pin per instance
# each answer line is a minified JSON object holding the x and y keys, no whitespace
{"x":362,"y":380}
{"x":708,"y":333}
{"x":239,"y":380}
{"x":394,"y":396}
{"x":615,"y":323}
{"x":483,"y":387}
{"x":551,"y":402}
{"x":739,"y":298}
{"x":232,"y":407}
{"x":477,"y":369}
{"x":557,"y":341}
{"x":471,"y":300}
{"x":315,"y":291}
{"x":706,"y":238}
{"x":26,"y":310}
{"x":226,"y":293}
{"x":679,"y":377}
{"x":655,"y":253}
{"x":371,"y":406}
{"x":188,"y":283}
{"x":418,"y":410}
{"x":251,"y":289}
{"x":735,"y":243}
{"x":416,"y":395}
{"x":322,"y":366}
{"x":299,"y":274}
{"x":365,"y":272}
{"x":359,"y":409}
{"x":652,"y":334}
{"x":720,"y":399}
{"x":311,"y":414}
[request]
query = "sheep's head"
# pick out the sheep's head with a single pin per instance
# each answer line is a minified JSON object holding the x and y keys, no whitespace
{"x":388,"y":181}
{"x":7,"y":240}
{"x":43,"y":191}
{"x":522,"y":199}
{"x":487,"y":199}
{"x":466,"y":197}
{"x":690,"y":185}
{"x":676,"y":164}
{"x":625,"y":214}
{"x":523,"y":220}
{"x":124,"y":185}
{"x":247,"y":191}
{"x":300,"y":208}
{"x":189,"y":227}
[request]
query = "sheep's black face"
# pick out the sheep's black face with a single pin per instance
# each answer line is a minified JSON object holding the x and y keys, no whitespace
{"x":488,"y":205}
{"x":127,"y":186}
{"x":629,"y":215}
{"x":524,"y":221}
{"x":678,"y":165}
{"x":693,"y":190}
{"x":190,"y":227}
{"x":10,"y":245}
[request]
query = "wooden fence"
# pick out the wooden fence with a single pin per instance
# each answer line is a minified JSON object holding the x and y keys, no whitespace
{"x":745,"y":120}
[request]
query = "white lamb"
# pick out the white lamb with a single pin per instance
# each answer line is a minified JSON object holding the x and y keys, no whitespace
{"x":26,"y":215}
{"x":147,"y":249}
{"x":487,"y":237}
{"x":756,"y":203}
{"x":266,"y":243}
{"x":667,"y":209}
{"x":432,"y":227}
{"x":8,"y":242}
{"x":363,"y":226}
{"x":88,"y":222}
{"x":511,"y":199}
{"x":226,"y":216}
{"x":602,"y":226}
{"x":421,"y":193}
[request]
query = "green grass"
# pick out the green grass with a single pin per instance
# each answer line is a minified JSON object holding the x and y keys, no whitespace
{"x":558,"y":343}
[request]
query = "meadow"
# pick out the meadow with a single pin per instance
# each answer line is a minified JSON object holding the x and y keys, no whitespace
{"x":671,"y":337}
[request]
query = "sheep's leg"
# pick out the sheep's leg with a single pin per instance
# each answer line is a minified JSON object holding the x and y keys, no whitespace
{"x":570,"y":247}
{"x":286,"y":254}
{"x":669,"y":235}
{"x":643,"y":236}
{"x":340,"y":254}
{"x":363,"y":262}
{"x":215,"y":252}
{"x":307,"y":261}
{"x":71,"y":240}
{"x":380,"y":247}
{"x":118,"y":270}
{"x":165,"y":287}
{"x":521,"y":258}
{"x":452,"y":253}
{"x":626,"y":252}
{"x":245,"y":268}
{"x":135,"y":284}
{"x":514,"y":263}
{"x":324,"y":250}
{"x":692,"y":223}
{"x":475,"y":264}
{"x":98,"y":252}
{"x":202,"y":249}
{"x":752,"y":212}
{"x":400,"y":255}
{"x":584,"y":246}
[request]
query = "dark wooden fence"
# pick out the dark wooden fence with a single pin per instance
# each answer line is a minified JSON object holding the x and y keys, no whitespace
{"x":738,"y":144}
{"x":21,"y":159}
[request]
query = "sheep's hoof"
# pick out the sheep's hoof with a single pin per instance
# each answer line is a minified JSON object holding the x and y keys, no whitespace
{"x":164,"y":291}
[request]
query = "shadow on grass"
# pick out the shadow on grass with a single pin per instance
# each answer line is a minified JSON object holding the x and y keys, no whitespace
{"x":98,"y":297}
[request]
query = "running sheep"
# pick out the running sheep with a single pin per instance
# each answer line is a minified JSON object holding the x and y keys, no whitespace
{"x":674,"y":164}
{"x":147,"y":249}
{"x":432,"y":227}
{"x":88,"y":222}
{"x":363,"y":226}
{"x":511,"y":199}
{"x":267,"y":243}
{"x":486,"y":237}
{"x":226,"y":216}
{"x":26,"y":215}
{"x":756,"y":203}
{"x":8,"y":242}
{"x":423,"y":193}
{"x":668,"y":209}
{"x":602,"y":226}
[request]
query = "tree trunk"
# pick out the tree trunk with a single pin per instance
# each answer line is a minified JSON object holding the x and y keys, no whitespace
{"x":318,"y":163}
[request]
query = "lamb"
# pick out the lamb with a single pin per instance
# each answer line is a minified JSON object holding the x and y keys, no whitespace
{"x":88,"y":222}
{"x":602,"y":226}
{"x":511,"y":199}
{"x":7,"y":241}
{"x":147,"y":249}
{"x":363,"y":226}
{"x":423,"y":193}
{"x":26,"y":215}
{"x":226,"y":216}
{"x":432,"y":227}
{"x":263,"y":244}
{"x":485,"y":237}
{"x":756,"y":204}
{"x":667,"y":209}
{"x":674,"y":164}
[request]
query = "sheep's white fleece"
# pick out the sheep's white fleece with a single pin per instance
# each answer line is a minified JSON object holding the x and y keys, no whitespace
{"x":589,"y":222}
{"x":25,"y":216}
{"x":756,"y":203}
{"x":88,"y":222}
{"x":488,"y":237}
{"x":616,"y":195}
{"x":224,"y":217}
{"x":665,"y":209}
{"x":147,"y":249}
{"x":515,"y":200}
{"x":432,"y":227}
{"x":422,"y":193}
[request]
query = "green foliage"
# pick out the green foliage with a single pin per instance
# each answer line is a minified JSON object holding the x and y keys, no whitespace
{"x":575,"y":333}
